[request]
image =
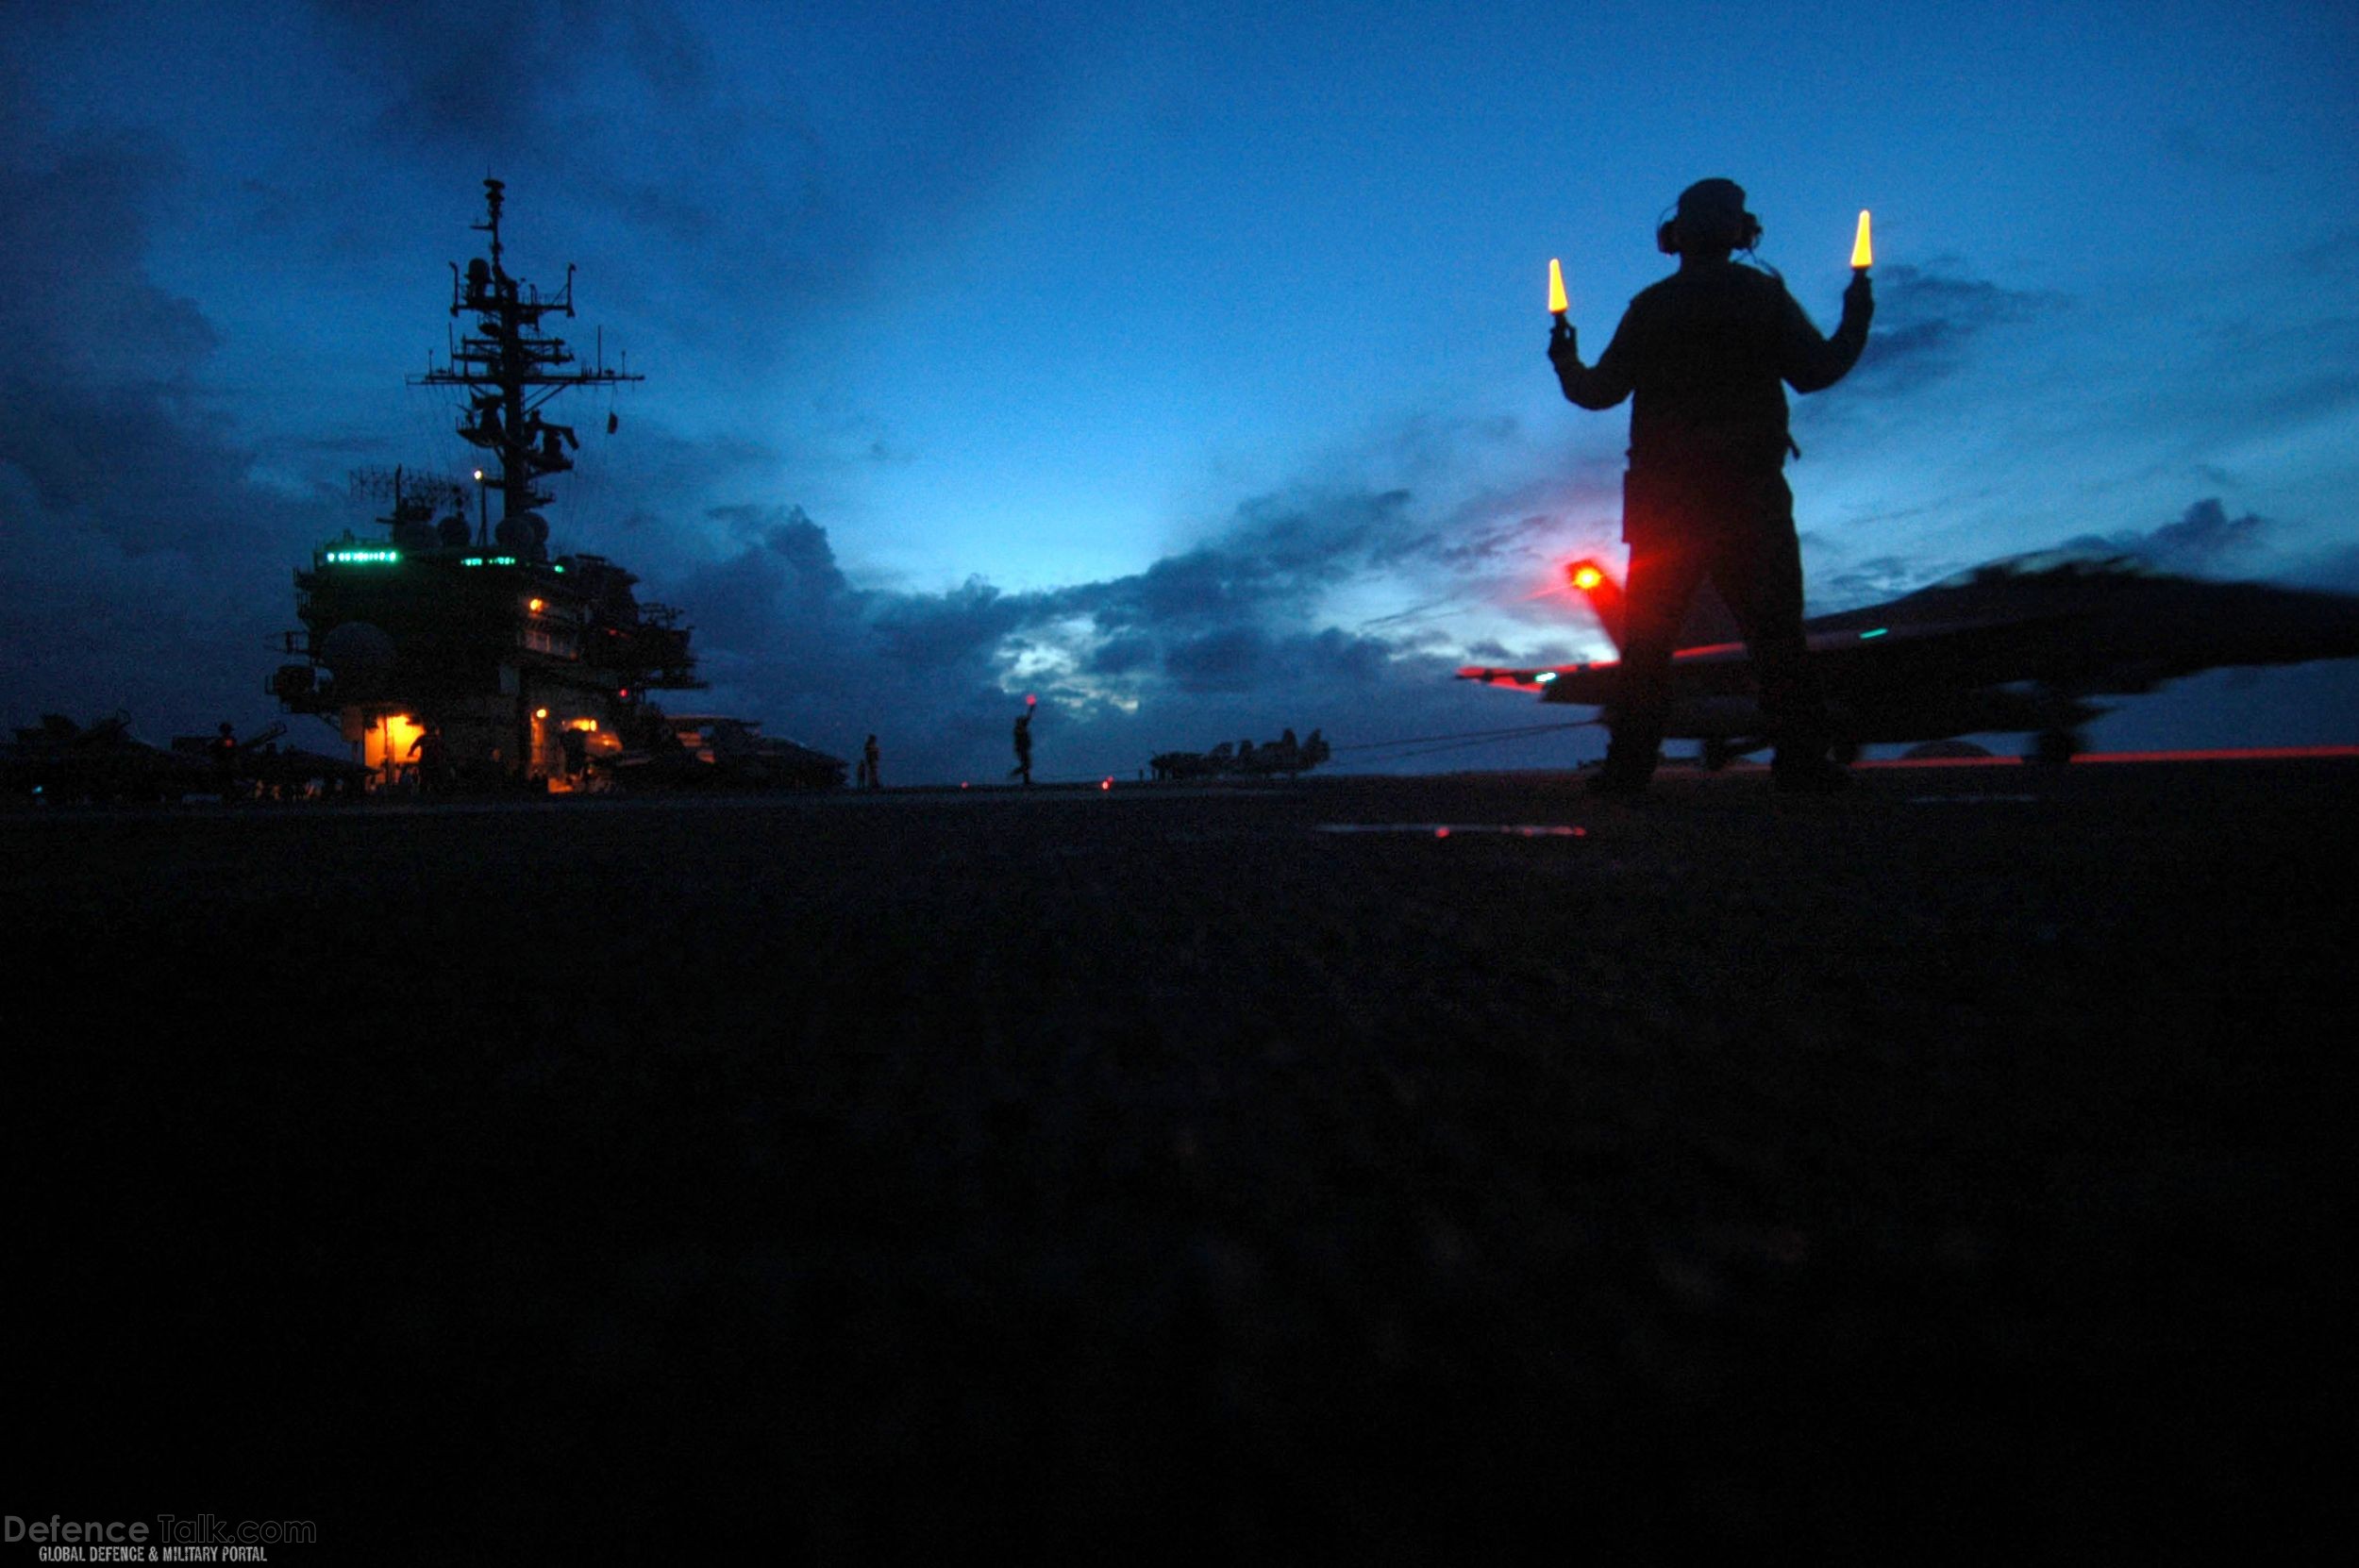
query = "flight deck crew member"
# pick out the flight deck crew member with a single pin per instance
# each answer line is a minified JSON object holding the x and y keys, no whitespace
{"x":870,"y":764}
{"x":575,"y":747}
{"x":224,"y":747}
{"x":1705,"y":357}
{"x":1023,"y":768}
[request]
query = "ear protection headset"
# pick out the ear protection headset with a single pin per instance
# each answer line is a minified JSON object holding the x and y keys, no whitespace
{"x":1704,"y":201}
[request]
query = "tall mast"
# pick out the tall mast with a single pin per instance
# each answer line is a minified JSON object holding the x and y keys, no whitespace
{"x":512,"y":369}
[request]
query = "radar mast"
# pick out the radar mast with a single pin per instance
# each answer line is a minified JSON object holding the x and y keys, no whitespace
{"x":512,"y":369}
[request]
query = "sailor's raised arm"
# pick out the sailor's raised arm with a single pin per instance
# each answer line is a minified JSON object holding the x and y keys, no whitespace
{"x":1812,"y":363}
{"x":1599,"y":386}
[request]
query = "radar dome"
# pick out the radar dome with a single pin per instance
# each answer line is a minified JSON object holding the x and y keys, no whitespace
{"x":414,"y":533}
{"x":452,"y":530}
{"x":359,"y":652}
{"x":525,"y":533}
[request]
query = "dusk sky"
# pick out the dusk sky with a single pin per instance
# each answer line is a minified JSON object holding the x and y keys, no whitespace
{"x":1182,"y":363}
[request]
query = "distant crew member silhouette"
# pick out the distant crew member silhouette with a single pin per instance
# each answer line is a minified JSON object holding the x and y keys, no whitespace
{"x":1701,"y":354}
{"x":575,"y":747}
{"x":1023,"y":768}
{"x":224,"y":749}
{"x":869,"y":775}
{"x":433,"y":761}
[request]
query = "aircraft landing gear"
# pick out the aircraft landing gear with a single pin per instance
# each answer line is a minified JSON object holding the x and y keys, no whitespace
{"x":1715,"y":753}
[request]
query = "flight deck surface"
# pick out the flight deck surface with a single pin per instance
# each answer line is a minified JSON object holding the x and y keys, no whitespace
{"x":1950,"y":1160}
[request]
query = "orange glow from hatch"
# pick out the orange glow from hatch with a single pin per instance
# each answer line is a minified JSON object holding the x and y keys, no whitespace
{"x":1863,"y":251}
{"x":385,"y":748}
{"x":533,"y":604}
{"x":1558,"y":304}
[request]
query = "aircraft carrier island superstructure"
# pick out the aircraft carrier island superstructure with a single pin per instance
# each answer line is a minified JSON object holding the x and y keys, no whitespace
{"x":457,"y":646}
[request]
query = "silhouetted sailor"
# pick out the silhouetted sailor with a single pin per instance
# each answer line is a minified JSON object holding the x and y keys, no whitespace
{"x":1706,"y":356}
{"x":433,"y":761}
{"x":869,"y":766}
{"x":224,"y":747}
{"x":1023,"y":768}
{"x":576,"y":745}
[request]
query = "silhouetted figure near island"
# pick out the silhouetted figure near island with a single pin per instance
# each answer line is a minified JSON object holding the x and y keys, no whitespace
{"x":224,"y":747}
{"x":433,"y":761}
{"x":871,"y":775}
{"x":1702,"y":355}
{"x":576,"y":747}
{"x":1023,"y":768}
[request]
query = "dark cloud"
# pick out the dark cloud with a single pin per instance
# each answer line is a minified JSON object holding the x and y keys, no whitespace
{"x":139,"y":555}
{"x":1121,"y":656}
{"x":1229,"y":660}
{"x":544,"y":80}
{"x":1874,"y":580}
{"x":1925,"y":320}
{"x":956,"y":634}
{"x":2203,"y":542}
{"x":1205,"y":643}
{"x":746,"y":177}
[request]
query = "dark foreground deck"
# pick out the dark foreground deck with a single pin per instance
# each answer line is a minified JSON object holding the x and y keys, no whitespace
{"x":1943,"y":1164}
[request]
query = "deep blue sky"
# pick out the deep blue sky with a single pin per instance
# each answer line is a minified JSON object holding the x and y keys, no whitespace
{"x":1184,"y":367}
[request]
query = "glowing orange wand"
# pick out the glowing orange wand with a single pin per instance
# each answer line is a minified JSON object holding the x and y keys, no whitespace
{"x":1863,"y":251}
{"x":1558,"y":304}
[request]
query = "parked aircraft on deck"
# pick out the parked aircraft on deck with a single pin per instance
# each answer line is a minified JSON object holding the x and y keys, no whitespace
{"x":2017,"y":646}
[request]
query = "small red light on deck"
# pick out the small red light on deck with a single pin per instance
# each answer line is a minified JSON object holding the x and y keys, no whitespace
{"x":1107,"y":784}
{"x":1440,"y":832}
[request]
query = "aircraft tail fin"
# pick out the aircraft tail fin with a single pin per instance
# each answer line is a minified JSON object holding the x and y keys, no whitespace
{"x":1708,"y":619}
{"x":1598,"y":587}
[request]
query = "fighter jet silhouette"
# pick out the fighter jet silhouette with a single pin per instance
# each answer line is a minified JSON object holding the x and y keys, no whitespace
{"x":2017,"y":646}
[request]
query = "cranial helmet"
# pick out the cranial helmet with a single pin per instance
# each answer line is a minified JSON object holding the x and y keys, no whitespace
{"x":1710,"y":216}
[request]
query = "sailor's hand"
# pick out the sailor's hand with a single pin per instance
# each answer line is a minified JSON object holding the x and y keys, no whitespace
{"x":1564,"y":348}
{"x":1860,"y":298}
